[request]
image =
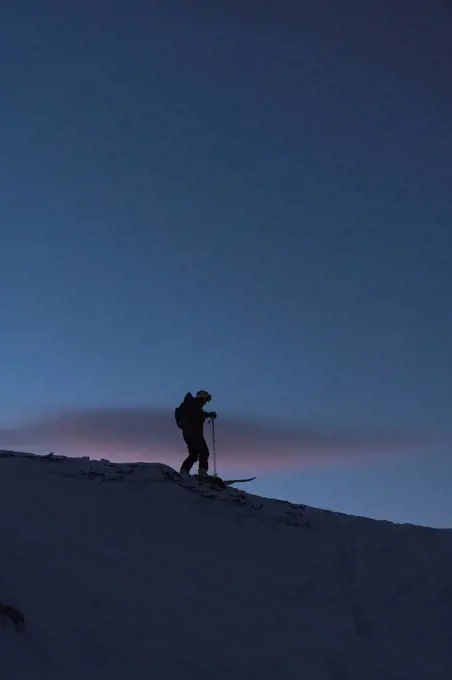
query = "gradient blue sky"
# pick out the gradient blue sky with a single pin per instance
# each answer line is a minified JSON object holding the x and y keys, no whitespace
{"x":249,"y":197}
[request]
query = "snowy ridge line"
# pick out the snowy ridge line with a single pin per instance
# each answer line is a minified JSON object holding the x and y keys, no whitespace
{"x":105,"y":472}
{"x":159,"y":581}
{"x":151,"y":473}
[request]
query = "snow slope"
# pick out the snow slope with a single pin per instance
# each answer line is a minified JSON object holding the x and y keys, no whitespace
{"x":123,"y":573}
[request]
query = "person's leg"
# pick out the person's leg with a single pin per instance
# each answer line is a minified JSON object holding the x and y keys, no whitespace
{"x":192,"y":446}
{"x":203,"y":455}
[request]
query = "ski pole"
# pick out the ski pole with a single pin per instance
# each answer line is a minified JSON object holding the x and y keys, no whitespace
{"x":214,"y":454}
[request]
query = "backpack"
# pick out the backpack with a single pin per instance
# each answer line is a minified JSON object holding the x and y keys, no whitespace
{"x":179,"y":411}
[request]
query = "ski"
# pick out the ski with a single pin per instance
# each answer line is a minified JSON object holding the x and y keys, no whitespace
{"x":218,"y":482}
{"x":228,"y":482}
{"x":210,"y":480}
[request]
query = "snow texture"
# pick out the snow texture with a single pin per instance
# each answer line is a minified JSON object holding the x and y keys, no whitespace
{"x":128,"y":571}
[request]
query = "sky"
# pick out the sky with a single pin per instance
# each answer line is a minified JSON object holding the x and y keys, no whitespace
{"x":247,"y":197}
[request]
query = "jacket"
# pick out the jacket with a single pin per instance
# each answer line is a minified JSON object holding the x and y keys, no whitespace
{"x":190,"y":415}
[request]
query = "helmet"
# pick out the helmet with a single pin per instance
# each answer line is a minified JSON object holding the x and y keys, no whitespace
{"x":203,"y":394}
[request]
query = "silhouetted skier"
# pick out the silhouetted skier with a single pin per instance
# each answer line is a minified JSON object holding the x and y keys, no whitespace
{"x":190,"y":418}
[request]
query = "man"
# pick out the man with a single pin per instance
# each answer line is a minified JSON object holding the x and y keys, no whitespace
{"x":190,"y":417}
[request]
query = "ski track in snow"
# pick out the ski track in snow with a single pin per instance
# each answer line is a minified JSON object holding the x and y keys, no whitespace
{"x":134,"y":574}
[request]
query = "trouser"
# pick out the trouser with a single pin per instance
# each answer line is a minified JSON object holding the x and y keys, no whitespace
{"x":197,"y":451}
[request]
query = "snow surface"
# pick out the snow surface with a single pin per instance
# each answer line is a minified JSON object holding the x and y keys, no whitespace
{"x":125,"y":572}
